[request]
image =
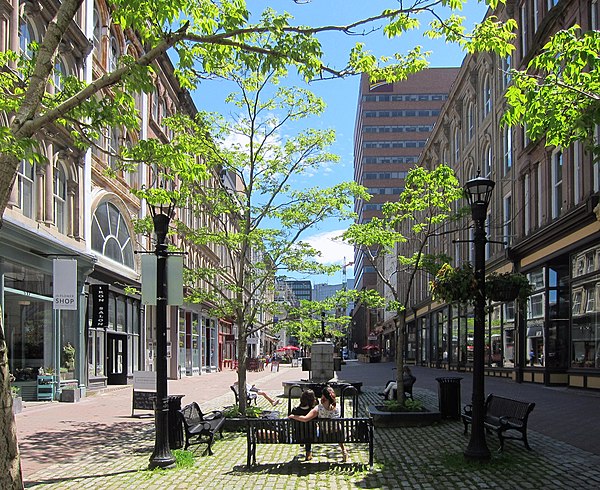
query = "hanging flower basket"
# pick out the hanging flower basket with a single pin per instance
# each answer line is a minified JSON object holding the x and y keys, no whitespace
{"x":454,"y":285}
{"x":457,"y":285}
{"x":507,"y":286}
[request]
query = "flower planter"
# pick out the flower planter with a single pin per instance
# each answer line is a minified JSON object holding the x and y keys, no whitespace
{"x":383,"y":418}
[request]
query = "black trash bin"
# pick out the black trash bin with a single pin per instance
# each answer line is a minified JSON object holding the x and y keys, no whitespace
{"x":449,"y":397}
{"x":175,"y":427}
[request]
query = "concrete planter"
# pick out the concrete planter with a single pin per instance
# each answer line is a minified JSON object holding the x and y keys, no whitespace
{"x":70,"y":396}
{"x":17,"y":405}
{"x":383,"y":418}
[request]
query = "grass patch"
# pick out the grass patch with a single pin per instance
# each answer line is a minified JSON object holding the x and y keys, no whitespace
{"x":183,"y":459}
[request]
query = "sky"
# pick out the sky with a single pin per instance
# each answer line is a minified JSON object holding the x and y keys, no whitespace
{"x":341,"y":96}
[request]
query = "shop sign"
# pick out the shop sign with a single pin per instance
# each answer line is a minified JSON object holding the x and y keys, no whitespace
{"x":100,"y":305}
{"x":65,"y":284}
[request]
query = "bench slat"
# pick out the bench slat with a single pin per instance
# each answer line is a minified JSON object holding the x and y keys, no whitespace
{"x":317,"y":431}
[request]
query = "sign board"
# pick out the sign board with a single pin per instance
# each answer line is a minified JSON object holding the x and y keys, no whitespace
{"x":144,"y":380}
{"x":143,"y":400}
{"x":64,"y":284}
{"x":144,"y":390}
{"x":99,"y":294}
{"x":149,"y":279}
{"x":252,"y":341}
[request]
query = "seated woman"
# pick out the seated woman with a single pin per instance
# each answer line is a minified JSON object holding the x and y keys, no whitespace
{"x":327,"y":409}
{"x":308,"y":401}
{"x":407,"y":378}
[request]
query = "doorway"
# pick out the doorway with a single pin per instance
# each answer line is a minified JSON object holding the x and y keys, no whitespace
{"x":116,"y":358}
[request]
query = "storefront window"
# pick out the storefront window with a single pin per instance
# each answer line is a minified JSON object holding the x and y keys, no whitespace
{"x":30,"y":334}
{"x":454,"y":341}
{"x":424,"y":339}
{"x":121,"y":317}
{"x":585,"y":314}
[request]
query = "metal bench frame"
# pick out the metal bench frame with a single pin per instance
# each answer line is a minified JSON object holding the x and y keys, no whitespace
{"x":200,"y":428}
{"x":316,"y":431}
{"x":503,"y":415}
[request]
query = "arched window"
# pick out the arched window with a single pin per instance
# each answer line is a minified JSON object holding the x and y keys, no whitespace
{"x":486,"y":95}
{"x":25,"y":38}
{"x":97,"y":32}
{"x":470,"y":120}
{"x":487,"y":164}
{"x":60,"y":198}
{"x":114,"y":53}
{"x":507,"y":148}
{"x":110,"y":235}
{"x":113,"y":148}
{"x":60,"y":73}
{"x":26,"y":188}
{"x":132,"y":174}
{"x":456,"y":145}
{"x":155,"y":106}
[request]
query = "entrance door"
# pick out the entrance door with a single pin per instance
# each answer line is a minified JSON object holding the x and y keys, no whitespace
{"x":117,"y":359}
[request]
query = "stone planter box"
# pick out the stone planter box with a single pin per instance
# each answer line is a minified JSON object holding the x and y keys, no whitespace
{"x":70,"y":396}
{"x":383,"y":418}
{"x":17,"y":405}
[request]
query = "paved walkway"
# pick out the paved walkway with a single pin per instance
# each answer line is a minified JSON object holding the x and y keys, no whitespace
{"x":97,"y":444}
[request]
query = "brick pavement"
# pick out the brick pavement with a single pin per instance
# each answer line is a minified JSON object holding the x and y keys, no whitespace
{"x":96,"y":444}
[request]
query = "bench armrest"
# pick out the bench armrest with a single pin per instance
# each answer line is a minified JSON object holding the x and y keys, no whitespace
{"x":213,"y":414}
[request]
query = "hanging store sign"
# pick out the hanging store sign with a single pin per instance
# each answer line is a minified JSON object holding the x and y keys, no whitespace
{"x":65,"y":284}
{"x":99,"y":294}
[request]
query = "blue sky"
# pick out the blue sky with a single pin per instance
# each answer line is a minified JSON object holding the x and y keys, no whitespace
{"x":341,"y":96}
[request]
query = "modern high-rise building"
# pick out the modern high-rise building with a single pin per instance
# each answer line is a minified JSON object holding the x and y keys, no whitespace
{"x":393,"y":122}
{"x":301,"y":289}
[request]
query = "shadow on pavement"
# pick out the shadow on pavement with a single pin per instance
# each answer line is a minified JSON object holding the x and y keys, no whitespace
{"x":50,"y":481}
{"x":101,"y":441}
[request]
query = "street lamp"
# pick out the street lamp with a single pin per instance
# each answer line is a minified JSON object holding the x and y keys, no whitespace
{"x":161,"y":457}
{"x":478,"y":192}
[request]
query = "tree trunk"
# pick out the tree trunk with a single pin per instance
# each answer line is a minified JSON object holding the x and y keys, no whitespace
{"x":10,"y":463}
{"x":242,"y":346}
{"x":400,"y":326}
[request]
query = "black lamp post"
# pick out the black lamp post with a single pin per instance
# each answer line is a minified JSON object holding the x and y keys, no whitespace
{"x":161,"y":457}
{"x":479,"y":192}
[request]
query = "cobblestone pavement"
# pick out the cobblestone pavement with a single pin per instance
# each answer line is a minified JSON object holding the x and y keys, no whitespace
{"x":99,"y":445}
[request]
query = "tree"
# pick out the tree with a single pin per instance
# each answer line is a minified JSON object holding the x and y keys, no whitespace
{"x":558,"y":96}
{"x":422,"y":209}
{"x":206,"y":35}
{"x":260,"y":215}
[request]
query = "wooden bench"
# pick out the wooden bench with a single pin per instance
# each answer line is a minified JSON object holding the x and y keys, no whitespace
{"x":316,"y":431}
{"x":503,"y":415}
{"x":199,"y":426}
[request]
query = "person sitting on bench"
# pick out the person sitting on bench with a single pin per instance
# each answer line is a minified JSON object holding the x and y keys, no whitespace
{"x":407,"y":377}
{"x":254,"y":389}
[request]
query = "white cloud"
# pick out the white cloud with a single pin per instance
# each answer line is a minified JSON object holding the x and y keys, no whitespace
{"x":332,"y":251}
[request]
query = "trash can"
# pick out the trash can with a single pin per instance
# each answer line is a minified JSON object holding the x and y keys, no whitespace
{"x":175,"y":427}
{"x":449,"y":397}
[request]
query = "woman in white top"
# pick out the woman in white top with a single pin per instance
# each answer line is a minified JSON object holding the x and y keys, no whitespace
{"x":326,"y":409}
